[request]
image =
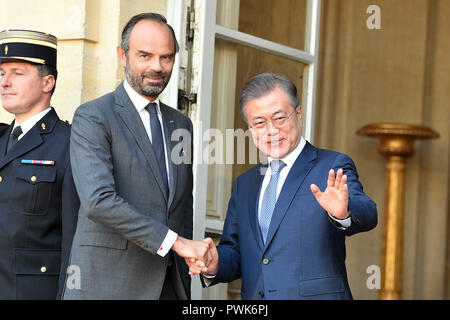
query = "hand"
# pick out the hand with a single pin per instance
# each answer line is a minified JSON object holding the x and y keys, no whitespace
{"x":210,"y":265}
{"x":334,"y":199}
{"x":186,"y":248}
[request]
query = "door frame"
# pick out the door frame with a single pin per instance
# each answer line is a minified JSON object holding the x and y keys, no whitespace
{"x":207,"y":31}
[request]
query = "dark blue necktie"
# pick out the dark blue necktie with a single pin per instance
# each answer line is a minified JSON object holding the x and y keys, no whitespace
{"x":270,"y":198}
{"x":14,"y":137}
{"x":158,"y":142}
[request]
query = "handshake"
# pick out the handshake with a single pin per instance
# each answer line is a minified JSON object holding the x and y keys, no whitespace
{"x":200,"y":256}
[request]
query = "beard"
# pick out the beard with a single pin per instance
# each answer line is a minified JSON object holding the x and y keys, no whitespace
{"x":137,"y":82}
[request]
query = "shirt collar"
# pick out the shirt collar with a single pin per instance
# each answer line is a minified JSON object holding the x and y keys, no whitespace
{"x":30,"y":122}
{"x":138,"y":101}
{"x":289,"y":160}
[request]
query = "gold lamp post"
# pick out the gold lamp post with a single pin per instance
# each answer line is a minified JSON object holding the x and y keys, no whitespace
{"x":396,"y":144}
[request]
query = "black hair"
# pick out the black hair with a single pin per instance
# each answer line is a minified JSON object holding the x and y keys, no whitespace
{"x":263,"y":84}
{"x":125,"y":41}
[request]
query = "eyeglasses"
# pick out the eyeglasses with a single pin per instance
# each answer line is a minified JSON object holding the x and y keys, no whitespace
{"x":278,"y":122}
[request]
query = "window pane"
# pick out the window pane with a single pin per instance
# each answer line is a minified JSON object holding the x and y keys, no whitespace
{"x":234,"y":65}
{"x":281,"y":21}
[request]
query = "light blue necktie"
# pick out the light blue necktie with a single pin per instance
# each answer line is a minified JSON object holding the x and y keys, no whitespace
{"x":270,"y":197}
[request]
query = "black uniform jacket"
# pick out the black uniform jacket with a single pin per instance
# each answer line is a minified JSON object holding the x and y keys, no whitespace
{"x":38,"y":210}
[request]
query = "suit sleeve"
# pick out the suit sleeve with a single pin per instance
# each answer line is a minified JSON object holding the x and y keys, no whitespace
{"x":228,"y":249}
{"x":92,"y":167}
{"x":70,"y":206}
{"x":363,"y":210}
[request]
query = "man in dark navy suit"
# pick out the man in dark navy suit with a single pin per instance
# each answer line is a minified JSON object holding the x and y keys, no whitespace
{"x":282,"y":235}
{"x":38,"y":199}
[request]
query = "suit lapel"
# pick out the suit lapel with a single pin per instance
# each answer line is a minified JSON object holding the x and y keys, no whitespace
{"x":253,"y":203}
{"x":294,"y":180}
{"x":5,"y":132}
{"x":31,"y":140}
{"x":133,"y":122}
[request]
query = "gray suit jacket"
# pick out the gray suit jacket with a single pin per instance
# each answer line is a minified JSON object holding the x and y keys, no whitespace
{"x":125,"y":213}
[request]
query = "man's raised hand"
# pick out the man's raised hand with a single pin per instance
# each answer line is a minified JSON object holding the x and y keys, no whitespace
{"x":334,"y":199}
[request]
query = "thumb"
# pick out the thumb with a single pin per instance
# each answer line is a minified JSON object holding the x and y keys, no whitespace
{"x":315,"y":190}
{"x":208,"y":241}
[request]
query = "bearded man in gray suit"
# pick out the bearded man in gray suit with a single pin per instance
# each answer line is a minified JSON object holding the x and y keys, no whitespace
{"x":135,"y":219}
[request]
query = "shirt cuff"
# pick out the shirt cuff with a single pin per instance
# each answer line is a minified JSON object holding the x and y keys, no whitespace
{"x":344,"y":223}
{"x":208,"y":279}
{"x":168,"y":242}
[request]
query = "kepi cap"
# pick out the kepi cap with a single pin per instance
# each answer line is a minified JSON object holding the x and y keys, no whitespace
{"x":27,"y":45}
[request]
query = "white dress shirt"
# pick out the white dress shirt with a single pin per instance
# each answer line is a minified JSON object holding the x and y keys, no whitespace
{"x":30,"y":122}
{"x":289,"y":160}
{"x":140,"y":103}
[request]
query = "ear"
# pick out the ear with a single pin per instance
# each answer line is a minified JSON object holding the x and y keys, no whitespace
{"x":122,"y":56}
{"x":298,"y":110}
{"x":48,"y":83}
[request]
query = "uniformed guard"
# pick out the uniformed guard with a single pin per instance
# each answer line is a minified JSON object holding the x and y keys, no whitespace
{"x":38,"y":199}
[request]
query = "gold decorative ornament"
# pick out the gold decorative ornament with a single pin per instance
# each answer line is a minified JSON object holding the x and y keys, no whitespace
{"x":396,"y":144}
